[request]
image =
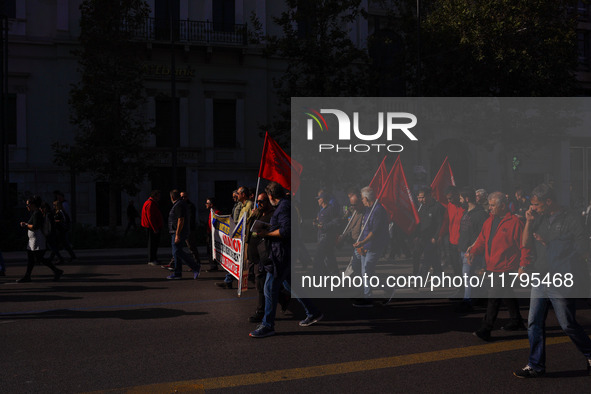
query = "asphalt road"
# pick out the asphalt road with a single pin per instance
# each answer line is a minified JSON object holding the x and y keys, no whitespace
{"x":114,"y":324}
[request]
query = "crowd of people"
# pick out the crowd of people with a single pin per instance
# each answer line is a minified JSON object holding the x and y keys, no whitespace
{"x":472,"y":233}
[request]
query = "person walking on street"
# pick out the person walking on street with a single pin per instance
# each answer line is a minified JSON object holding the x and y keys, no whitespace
{"x":36,"y":245}
{"x":152,"y":221}
{"x":500,"y":242}
{"x":211,"y":207}
{"x":560,"y":245}
{"x":179,"y":227}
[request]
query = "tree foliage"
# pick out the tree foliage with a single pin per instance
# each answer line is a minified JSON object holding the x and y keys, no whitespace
{"x":493,"y":47}
{"x":107,"y":103}
{"x":321,"y":59}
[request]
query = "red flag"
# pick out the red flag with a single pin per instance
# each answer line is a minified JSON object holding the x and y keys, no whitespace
{"x":277,"y":166}
{"x":397,"y":199}
{"x":379,"y":178}
{"x":442,"y":181}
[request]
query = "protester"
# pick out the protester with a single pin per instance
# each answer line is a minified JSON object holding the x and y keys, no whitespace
{"x":36,"y":245}
{"x":327,"y":223}
{"x":278,"y":266}
{"x":256,"y":249}
{"x":152,"y":221}
{"x":470,"y":227}
{"x":425,"y":236}
{"x":353,"y":229}
{"x":521,"y":202}
{"x":482,"y":199}
{"x":560,"y":247}
{"x":451,"y":227}
{"x":246,"y":206}
{"x":211,"y":208}
{"x":179,"y":227}
{"x":373,"y":241}
{"x":500,"y":242}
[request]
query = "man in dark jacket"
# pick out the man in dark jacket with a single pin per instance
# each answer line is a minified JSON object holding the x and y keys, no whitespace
{"x":425,"y":237}
{"x":470,"y":227}
{"x":327,"y":222}
{"x":279,"y":265}
{"x":560,"y":245}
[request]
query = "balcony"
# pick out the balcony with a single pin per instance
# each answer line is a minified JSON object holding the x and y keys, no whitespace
{"x":192,"y":32}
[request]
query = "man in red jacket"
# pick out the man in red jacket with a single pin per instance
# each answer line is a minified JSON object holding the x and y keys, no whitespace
{"x":500,"y":241}
{"x":152,"y":222}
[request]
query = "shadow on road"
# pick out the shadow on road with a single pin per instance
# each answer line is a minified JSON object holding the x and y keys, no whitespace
{"x":124,"y":314}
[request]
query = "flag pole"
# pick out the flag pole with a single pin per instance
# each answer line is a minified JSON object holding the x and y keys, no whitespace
{"x":261,"y":166}
{"x":377,"y":200}
{"x":372,"y":179}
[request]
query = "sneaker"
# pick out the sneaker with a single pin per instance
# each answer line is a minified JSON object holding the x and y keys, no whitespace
{"x":528,"y":372}
{"x":25,"y":279}
{"x":363,"y":303}
{"x":514,"y":327}
{"x":167,"y":266}
{"x":58,"y":274}
{"x":153,"y":263}
{"x":262,"y":332}
{"x":195,"y":275}
{"x":174,"y":277}
{"x":589,"y":366}
{"x":224,"y":285}
{"x":309,"y":320}
{"x":483,"y":334}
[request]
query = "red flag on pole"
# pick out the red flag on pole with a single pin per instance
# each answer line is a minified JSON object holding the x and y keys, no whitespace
{"x":277,"y":166}
{"x":442,"y":181}
{"x":379,"y":178}
{"x":397,"y":199}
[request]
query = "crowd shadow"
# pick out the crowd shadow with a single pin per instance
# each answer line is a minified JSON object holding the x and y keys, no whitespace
{"x":123,"y":314}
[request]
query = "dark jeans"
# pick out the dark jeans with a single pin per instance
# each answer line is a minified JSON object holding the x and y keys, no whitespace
{"x":273,"y":285}
{"x":153,"y":240}
{"x":35,"y":257}
{"x":565,"y":311}
{"x":496,"y":297}
{"x":181,"y":256}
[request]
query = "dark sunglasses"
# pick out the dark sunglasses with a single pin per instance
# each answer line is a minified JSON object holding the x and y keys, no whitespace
{"x":260,"y":201}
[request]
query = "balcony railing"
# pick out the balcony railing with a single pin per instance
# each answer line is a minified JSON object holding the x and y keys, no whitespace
{"x":192,"y":32}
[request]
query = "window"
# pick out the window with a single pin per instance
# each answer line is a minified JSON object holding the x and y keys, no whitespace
{"x":164,"y":134}
{"x":224,"y":123}
{"x":223,"y":15}
{"x":11,"y":119}
{"x":165,"y":11}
